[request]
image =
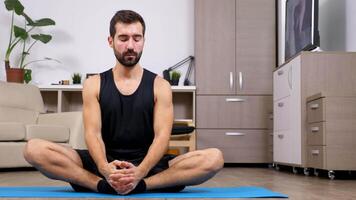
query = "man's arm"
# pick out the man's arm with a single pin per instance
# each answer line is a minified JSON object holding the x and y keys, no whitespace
{"x":92,"y":123}
{"x":162,"y":124}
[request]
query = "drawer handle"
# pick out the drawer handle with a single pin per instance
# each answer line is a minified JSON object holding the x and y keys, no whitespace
{"x":314,"y":129}
{"x":234,"y":100}
{"x":280,"y":72}
{"x":315,"y":152}
{"x":280,"y":104}
{"x":280,"y":136}
{"x":240,"y":80}
{"x":314,"y":106}
{"x":231,"y":80}
{"x":234,"y":134}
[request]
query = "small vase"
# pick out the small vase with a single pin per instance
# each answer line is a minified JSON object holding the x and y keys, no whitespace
{"x":175,"y":82}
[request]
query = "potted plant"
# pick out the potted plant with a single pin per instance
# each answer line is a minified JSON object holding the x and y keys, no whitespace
{"x":22,"y":35}
{"x":77,"y":78}
{"x":175,"y":75}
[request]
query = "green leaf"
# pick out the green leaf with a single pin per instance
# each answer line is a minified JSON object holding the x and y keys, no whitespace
{"x":28,"y":19}
{"x":42,"y":22}
{"x":14,"y":5}
{"x":42,"y":37}
{"x":20,"y":32}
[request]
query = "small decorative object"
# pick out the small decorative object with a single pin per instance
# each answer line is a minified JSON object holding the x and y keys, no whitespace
{"x":175,"y":75}
{"x":77,"y":78}
{"x":64,"y":82}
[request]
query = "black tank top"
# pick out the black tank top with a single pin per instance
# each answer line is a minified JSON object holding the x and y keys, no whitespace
{"x":127,"y":120}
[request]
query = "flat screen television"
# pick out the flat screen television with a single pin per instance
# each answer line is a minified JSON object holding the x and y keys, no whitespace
{"x":301,"y":27}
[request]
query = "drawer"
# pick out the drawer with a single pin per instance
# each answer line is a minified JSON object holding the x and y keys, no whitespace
{"x":281,"y":151}
{"x":281,"y":110}
{"x":316,"y":156}
{"x":316,"y":134}
{"x":332,"y":157}
{"x":238,"y":146}
{"x":230,"y":112}
{"x":315,"y":110}
{"x":282,"y":82}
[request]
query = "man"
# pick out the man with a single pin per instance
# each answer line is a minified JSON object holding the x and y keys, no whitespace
{"x":128,"y":116}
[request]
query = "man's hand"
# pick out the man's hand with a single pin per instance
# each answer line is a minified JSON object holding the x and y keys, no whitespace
{"x":126,"y":177}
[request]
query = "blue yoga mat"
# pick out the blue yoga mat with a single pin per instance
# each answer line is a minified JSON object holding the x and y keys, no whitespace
{"x":189,"y":192}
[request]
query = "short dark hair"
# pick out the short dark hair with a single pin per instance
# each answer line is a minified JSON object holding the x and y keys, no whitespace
{"x":126,"y":17}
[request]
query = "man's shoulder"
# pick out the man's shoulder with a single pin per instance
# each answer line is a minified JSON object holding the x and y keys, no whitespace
{"x":92,"y":84}
{"x":161,"y":83}
{"x":92,"y":80}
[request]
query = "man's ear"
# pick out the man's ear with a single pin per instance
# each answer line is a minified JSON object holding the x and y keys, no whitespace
{"x":110,"y":40}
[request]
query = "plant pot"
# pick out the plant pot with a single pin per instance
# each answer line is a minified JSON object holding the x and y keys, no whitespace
{"x":175,"y":82}
{"x":15,"y":75}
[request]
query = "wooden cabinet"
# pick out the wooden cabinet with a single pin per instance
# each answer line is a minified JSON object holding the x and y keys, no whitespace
{"x":235,"y":46}
{"x":331,"y":132}
{"x":235,"y":58}
{"x":329,"y":73}
{"x":286,"y":106}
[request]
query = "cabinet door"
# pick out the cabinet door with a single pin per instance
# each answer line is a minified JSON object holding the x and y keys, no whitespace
{"x":215,"y":46}
{"x":247,"y":112}
{"x":238,"y":146}
{"x":255,"y":46}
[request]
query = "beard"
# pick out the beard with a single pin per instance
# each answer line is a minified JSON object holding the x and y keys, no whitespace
{"x":129,"y":58}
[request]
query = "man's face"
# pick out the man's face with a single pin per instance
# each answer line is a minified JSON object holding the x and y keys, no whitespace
{"x":128,"y":43}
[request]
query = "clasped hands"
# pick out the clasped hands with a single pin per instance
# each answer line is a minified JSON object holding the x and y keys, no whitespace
{"x":123,"y":176}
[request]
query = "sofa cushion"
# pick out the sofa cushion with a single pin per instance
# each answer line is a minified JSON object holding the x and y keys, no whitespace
{"x":12,"y":131}
{"x":52,"y":133}
{"x":21,"y":96}
{"x":12,"y":114}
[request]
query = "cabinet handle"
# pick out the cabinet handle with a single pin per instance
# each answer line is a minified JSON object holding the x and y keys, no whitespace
{"x":280,"y":72}
{"x":280,"y":136}
{"x":234,"y":134}
{"x":231,"y":80}
{"x":314,"y":129}
{"x":315,"y":152}
{"x":280,"y":104}
{"x":240,"y":80}
{"x":290,"y":77}
{"x":314,"y":106}
{"x":234,"y":100}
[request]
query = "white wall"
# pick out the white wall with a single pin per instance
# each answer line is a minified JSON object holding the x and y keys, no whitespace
{"x":80,"y":35}
{"x":337,"y":26}
{"x":351,"y":25}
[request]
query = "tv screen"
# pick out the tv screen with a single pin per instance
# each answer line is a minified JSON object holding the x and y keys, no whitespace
{"x":301,"y":28}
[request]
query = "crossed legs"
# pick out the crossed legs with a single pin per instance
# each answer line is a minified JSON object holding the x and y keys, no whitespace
{"x":63,"y":163}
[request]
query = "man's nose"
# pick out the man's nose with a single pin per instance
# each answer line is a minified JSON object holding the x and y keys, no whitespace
{"x":130,"y":44}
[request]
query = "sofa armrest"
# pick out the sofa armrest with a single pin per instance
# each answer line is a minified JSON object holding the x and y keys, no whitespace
{"x":72,"y":120}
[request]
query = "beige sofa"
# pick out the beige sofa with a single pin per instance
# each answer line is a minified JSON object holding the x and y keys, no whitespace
{"x":22,"y":118}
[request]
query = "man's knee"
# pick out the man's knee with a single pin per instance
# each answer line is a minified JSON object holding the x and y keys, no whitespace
{"x":35,"y":150}
{"x":214,"y":158}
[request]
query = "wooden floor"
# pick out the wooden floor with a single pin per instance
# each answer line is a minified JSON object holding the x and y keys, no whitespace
{"x":296,"y":186}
